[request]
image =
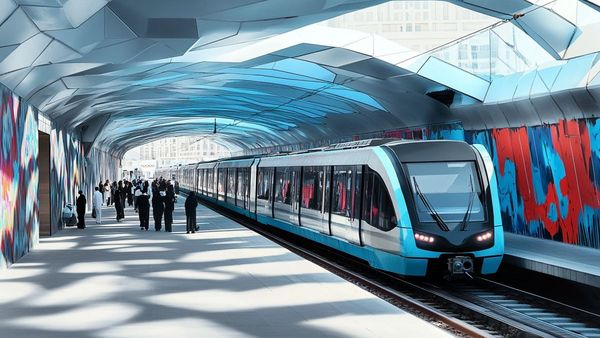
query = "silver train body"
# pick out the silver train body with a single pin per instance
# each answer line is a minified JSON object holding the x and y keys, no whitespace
{"x":414,"y":208}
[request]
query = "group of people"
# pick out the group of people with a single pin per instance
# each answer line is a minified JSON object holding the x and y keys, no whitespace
{"x":160,"y":195}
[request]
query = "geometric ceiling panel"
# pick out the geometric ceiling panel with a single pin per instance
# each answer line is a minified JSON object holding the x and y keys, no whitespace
{"x":17,"y":28}
{"x":125,"y":72}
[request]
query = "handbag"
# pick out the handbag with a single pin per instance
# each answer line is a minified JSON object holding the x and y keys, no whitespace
{"x":94,"y":213}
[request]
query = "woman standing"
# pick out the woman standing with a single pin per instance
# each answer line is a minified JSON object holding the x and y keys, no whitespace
{"x":144,"y":209}
{"x":107,"y":192}
{"x":169,"y":206}
{"x":118,"y":197}
{"x":191,"y":203}
{"x":101,"y":189}
{"x":158,"y":207}
{"x":81,"y":203}
{"x":129,"y":192}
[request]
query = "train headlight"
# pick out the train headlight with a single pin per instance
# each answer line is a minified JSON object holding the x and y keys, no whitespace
{"x":424,"y":238}
{"x":486,"y":236}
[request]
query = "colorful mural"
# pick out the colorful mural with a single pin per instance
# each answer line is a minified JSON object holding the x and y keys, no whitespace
{"x":67,"y":171}
{"x":548,"y":177}
{"x":19,"y":223}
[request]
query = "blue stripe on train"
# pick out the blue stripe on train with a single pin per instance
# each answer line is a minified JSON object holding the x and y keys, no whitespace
{"x":376,"y":258}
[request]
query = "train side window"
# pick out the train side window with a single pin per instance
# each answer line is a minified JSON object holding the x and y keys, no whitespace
{"x":358,"y":182}
{"x":200,"y":175}
{"x":378,"y":210}
{"x":264,"y":184}
{"x":206,"y":173}
{"x":231,"y":178}
{"x":285,"y":185}
{"x":241,"y":187}
{"x":209,"y":181}
{"x":221,"y":183}
{"x":341,"y":203}
{"x":346,"y":191}
{"x":204,"y":180}
{"x":312,"y":188}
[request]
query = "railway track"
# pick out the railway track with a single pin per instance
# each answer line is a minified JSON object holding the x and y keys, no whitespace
{"x":477,"y":308}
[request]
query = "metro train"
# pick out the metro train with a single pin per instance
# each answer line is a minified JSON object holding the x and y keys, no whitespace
{"x":415,"y":208}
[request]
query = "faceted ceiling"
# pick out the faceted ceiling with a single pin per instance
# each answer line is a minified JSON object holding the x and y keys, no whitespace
{"x":126,"y":72}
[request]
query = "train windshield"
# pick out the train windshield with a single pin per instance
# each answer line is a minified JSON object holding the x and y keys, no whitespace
{"x":447,"y":193}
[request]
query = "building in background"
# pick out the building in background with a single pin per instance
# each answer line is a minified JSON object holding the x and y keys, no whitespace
{"x":144,"y":159}
{"x":423,"y":26}
{"x":418,"y":25}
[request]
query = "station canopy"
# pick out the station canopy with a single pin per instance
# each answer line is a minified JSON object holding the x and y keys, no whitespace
{"x":259,"y":73}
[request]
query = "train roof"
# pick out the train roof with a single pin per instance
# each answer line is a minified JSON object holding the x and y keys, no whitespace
{"x":247,"y":160}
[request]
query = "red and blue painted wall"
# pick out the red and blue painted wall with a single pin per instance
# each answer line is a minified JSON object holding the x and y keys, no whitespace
{"x":548,"y":176}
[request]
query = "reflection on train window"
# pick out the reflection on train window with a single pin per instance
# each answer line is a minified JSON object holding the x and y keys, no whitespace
{"x":378,"y":209}
{"x":285,"y":184}
{"x":210,"y":181}
{"x":264,"y":184}
{"x":201,"y":180}
{"x":222,"y":182}
{"x":312,"y":187}
{"x":231,"y":176}
{"x":450,"y":188}
{"x":242,"y":188}
{"x":346,"y":191}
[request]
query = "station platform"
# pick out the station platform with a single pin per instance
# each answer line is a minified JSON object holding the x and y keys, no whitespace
{"x":561,"y":260}
{"x":114,"y":280}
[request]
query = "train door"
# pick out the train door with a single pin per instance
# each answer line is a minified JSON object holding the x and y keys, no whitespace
{"x":252,"y":186}
{"x":285,"y":204}
{"x":379,"y":225}
{"x":314,"y":211}
{"x":345,"y":202}
{"x":264,"y":191}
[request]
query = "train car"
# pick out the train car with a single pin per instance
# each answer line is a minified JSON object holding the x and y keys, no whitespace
{"x":187,"y":176}
{"x":414,"y":208}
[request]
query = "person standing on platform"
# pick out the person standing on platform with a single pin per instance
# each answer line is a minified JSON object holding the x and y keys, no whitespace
{"x":119,"y":201}
{"x":113,"y":189}
{"x":122,"y":187}
{"x":137,"y":193}
{"x":169,"y":206}
{"x":129,"y":190}
{"x":101,"y":189}
{"x":158,"y":207}
{"x":107,"y":191}
{"x":97,"y":200}
{"x":191,"y":203}
{"x":143,"y":205}
{"x":81,"y":202}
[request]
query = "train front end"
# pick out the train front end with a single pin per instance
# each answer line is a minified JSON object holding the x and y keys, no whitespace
{"x":451,"y":208}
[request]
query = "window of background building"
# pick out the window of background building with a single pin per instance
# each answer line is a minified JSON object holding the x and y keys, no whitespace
{"x":421,"y":27}
{"x":44,"y":123}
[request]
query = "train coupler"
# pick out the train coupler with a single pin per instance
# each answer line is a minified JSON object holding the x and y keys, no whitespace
{"x":460,"y":267}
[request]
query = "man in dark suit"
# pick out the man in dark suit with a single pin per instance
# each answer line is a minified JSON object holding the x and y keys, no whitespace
{"x":81,"y":202}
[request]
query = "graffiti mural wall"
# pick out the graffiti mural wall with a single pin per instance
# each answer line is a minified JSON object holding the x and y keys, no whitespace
{"x":548,"y":177}
{"x":19,"y":223}
{"x":67,"y":171}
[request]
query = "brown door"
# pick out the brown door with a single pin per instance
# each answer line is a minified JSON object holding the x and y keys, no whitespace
{"x":44,"y":188}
